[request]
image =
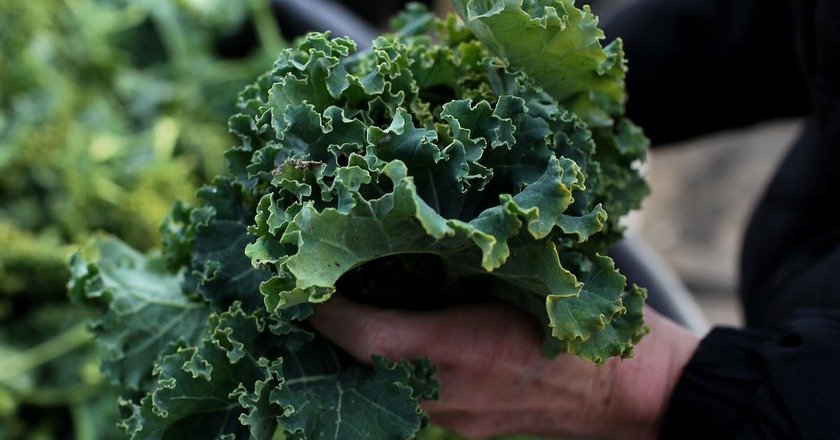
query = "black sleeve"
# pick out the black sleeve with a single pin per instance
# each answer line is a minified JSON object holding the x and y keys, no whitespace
{"x":698,"y":66}
{"x":790,"y":257}
{"x":755,"y":384}
{"x":791,"y":252}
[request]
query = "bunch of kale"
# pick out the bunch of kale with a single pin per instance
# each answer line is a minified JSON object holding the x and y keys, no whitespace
{"x":451,"y":163}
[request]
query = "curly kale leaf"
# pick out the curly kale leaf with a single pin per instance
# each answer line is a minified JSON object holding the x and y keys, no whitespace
{"x":234,"y":373}
{"x":144,"y":309}
{"x":460,"y":187}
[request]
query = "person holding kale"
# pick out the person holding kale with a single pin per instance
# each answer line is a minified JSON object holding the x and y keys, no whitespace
{"x":696,"y":67}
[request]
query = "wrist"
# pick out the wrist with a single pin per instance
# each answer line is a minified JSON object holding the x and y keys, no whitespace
{"x":641,"y":387}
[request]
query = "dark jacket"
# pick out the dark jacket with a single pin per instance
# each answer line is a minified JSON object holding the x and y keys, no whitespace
{"x":698,"y":66}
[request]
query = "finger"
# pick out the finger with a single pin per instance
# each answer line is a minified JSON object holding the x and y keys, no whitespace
{"x":487,"y":391}
{"x":465,"y":424}
{"x":363,"y":330}
{"x":474,"y":425}
{"x":487,"y":425}
{"x":468,"y":391}
{"x":476,"y":335}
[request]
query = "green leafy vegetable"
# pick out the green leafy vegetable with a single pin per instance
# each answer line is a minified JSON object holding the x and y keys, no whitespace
{"x":110,"y":110}
{"x":448,"y":164}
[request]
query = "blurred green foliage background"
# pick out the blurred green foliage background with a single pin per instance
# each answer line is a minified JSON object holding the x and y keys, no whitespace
{"x":110,"y":110}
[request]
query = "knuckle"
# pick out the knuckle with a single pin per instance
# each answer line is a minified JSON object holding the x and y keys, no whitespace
{"x":378,"y":335}
{"x":470,"y":428}
{"x":514,"y":347}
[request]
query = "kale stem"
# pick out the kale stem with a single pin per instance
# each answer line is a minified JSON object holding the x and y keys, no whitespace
{"x":82,"y":426}
{"x":71,"y":395}
{"x":71,"y":339}
{"x":174,"y":40}
{"x":267,"y":28}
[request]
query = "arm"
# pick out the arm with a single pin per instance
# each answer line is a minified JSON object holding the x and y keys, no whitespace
{"x":748,"y":384}
{"x":782,"y":382}
{"x":791,"y":253}
{"x":697,"y":66}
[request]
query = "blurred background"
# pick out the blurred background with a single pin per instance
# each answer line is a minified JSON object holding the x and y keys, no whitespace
{"x":110,"y":110}
{"x":703,"y":192}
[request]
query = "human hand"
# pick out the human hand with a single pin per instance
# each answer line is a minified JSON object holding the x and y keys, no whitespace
{"x":495,"y":382}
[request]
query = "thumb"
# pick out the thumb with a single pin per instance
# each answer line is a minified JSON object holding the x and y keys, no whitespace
{"x":463,"y":335}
